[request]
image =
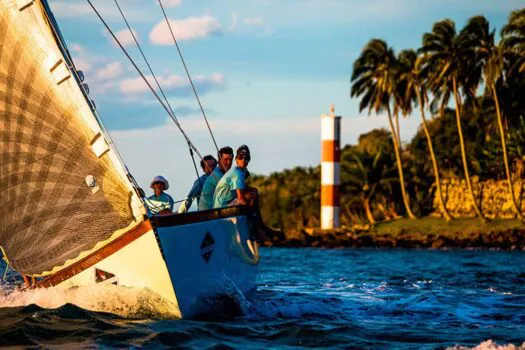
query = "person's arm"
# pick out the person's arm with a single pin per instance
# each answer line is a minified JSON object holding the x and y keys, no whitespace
{"x":168,"y":210}
{"x":238,"y":185}
{"x":206,"y":198}
{"x":150,"y":206}
{"x":240,"y":197}
{"x":194,"y":192}
{"x":172,"y":203}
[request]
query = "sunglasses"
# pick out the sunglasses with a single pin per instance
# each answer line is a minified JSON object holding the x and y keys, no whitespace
{"x":158,"y":183}
{"x":246,"y":158}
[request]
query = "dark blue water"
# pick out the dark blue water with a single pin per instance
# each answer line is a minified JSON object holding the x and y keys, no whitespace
{"x":309,"y":298}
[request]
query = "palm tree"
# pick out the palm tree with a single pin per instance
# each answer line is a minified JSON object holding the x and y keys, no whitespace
{"x":412,"y":90}
{"x":448,"y":63}
{"x":490,"y":58}
{"x":513,"y":44}
{"x":368,"y":175}
{"x":513,"y":38}
{"x":373,"y":79}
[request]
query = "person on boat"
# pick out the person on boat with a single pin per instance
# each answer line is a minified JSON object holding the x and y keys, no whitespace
{"x":160,"y":203}
{"x":232,"y":189}
{"x":208,"y":163}
{"x":208,"y":189}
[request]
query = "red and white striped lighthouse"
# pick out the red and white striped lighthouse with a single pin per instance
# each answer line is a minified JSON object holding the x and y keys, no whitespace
{"x":330,"y":170}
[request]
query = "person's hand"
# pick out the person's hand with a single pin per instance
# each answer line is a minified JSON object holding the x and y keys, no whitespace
{"x":182,"y":208}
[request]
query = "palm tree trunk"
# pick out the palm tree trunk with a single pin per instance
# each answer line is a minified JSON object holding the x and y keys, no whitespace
{"x":463,"y":152}
{"x":368,"y":212}
{"x":393,"y":212}
{"x":399,"y":166}
{"x":444,"y":210}
{"x":398,"y":132}
{"x":505,"y":157}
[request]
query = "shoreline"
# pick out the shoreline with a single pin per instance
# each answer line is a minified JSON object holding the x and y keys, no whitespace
{"x":424,"y":233}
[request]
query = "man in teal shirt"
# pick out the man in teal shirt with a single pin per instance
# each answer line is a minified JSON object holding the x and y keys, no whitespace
{"x":208,"y":189}
{"x":232,"y":189}
{"x":208,"y":163}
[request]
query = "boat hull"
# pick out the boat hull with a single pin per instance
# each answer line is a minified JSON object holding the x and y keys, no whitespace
{"x":211,"y":264}
{"x":194,"y":261}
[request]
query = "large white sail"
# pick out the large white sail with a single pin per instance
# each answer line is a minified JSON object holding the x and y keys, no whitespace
{"x":63,"y":192}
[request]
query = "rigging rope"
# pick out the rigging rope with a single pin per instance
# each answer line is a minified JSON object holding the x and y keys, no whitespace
{"x":188,"y":74}
{"x":147,"y":62}
{"x":196,"y":172}
{"x":191,"y":145}
{"x":167,"y":106}
{"x":6,"y":260}
{"x":155,"y":78}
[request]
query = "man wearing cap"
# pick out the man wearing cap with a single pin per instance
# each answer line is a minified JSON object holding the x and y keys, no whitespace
{"x":225,"y":163}
{"x":232,"y":189}
{"x":160,"y":203}
{"x":208,"y":163}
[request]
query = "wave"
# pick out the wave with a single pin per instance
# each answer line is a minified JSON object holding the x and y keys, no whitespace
{"x":268,"y":310}
{"x":127,"y":302}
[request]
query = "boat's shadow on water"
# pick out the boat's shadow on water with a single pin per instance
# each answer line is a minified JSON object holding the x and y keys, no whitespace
{"x":222,"y":308}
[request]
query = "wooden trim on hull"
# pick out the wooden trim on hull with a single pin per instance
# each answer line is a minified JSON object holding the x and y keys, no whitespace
{"x":137,"y":232}
{"x":95,"y":257}
{"x":201,"y":216}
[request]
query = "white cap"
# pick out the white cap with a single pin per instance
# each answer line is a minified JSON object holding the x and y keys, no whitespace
{"x":160,"y":178}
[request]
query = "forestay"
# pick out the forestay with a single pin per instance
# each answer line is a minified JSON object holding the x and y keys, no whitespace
{"x":63,"y":191}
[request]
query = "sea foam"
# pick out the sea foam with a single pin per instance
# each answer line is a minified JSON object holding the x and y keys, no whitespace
{"x":128,"y":302}
{"x":490,"y":345}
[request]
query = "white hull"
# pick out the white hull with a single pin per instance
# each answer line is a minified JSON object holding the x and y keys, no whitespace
{"x":189,"y":264}
{"x":210,"y":259}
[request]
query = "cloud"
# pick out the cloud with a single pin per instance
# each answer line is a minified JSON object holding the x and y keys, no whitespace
{"x":69,"y":9}
{"x":135,"y":10}
{"x":174,"y":84}
{"x":249,"y":25}
{"x":171,"y":3}
{"x":103,"y":87}
{"x":110,"y":71}
{"x":83,"y":64}
{"x":76,"y":47}
{"x":125,"y":37}
{"x":134,"y":86}
{"x":186,"y":29}
{"x":100,"y":71}
{"x":127,"y":114}
{"x":84,"y":59}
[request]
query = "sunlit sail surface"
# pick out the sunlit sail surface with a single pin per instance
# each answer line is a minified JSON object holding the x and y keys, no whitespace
{"x":62,"y":190}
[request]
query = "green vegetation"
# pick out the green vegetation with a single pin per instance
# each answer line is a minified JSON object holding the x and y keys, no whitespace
{"x":463,"y":227}
{"x":427,"y":232}
{"x":473,"y":90}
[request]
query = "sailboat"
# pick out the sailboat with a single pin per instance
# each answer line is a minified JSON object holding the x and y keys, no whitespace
{"x":71,"y":213}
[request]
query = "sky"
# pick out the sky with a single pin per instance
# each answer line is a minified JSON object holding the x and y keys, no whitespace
{"x":265,"y":71}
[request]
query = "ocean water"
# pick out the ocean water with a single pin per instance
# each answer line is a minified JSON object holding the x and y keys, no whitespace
{"x":343,"y":298}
